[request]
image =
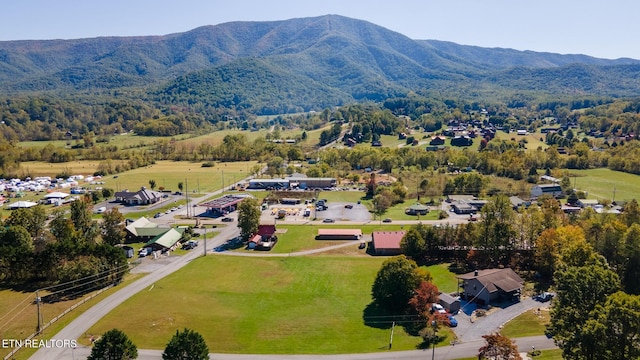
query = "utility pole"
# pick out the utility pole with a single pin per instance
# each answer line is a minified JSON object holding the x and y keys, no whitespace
{"x":393,"y":326}
{"x":186,"y":191}
{"x":38,"y":300}
{"x":205,"y":240}
{"x":435,"y":333}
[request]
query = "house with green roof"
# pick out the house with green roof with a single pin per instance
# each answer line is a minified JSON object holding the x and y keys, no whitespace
{"x":169,"y":240}
{"x":143,"y":230}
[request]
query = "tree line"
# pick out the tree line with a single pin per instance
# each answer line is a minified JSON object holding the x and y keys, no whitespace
{"x":71,"y":248}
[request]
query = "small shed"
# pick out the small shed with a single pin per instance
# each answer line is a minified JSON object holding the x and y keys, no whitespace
{"x":449,"y":303}
{"x":128,"y":251}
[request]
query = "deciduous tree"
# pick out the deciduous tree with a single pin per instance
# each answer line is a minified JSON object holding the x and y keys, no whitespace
{"x":248,"y":217}
{"x":112,"y":226}
{"x":581,"y":286}
{"x":395,"y":283}
{"x":612,"y":330}
{"x":498,"y":347}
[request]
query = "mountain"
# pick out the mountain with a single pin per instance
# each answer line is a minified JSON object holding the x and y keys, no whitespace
{"x":307,"y":63}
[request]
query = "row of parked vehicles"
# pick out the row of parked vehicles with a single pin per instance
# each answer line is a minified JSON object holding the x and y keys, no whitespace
{"x":437,"y":308}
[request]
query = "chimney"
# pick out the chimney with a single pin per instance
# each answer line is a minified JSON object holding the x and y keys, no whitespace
{"x":475,"y":273}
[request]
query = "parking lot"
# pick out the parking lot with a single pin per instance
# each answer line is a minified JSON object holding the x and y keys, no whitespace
{"x":334,"y":210}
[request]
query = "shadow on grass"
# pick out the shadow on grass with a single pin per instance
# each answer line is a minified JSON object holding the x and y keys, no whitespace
{"x":378,"y":317}
{"x":428,"y":344}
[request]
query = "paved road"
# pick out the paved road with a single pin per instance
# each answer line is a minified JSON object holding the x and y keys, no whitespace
{"x":82,"y":323}
{"x":467,"y":349}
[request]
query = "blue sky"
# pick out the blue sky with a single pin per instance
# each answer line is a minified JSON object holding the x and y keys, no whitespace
{"x":607,"y":29}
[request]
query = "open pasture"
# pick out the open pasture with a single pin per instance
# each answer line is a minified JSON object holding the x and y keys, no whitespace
{"x":290,"y":305}
{"x":606,"y":184}
{"x":165,"y":173}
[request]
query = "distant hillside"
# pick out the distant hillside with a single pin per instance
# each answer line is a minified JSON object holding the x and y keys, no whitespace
{"x":306,"y":63}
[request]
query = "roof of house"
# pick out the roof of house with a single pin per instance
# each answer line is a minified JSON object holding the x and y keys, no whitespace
{"x":461,"y":197}
{"x":516,"y":201}
{"x":142,"y":222}
{"x":150,"y":231}
{"x":387,"y":239}
{"x":166,"y":239}
{"x":447,"y":298}
{"x":493,"y":279}
{"x":142,"y":194}
{"x":550,"y":187}
{"x":266,"y":230}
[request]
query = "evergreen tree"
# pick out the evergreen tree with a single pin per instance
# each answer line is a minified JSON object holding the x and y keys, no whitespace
{"x":113,"y":345}
{"x":186,"y":345}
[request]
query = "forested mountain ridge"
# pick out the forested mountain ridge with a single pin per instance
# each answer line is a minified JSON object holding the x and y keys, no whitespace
{"x":355,"y":58}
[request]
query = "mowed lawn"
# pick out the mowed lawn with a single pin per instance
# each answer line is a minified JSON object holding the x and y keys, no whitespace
{"x":165,"y":173}
{"x":530,"y":323}
{"x":290,"y":305}
{"x":601,"y":183}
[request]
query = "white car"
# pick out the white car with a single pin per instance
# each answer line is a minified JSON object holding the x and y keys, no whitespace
{"x":438,"y":308}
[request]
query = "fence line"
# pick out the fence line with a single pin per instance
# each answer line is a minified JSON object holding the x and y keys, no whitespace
{"x":56,"y":318}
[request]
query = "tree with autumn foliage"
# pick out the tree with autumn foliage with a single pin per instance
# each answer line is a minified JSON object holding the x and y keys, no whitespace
{"x":498,"y":347}
{"x":425,"y":295}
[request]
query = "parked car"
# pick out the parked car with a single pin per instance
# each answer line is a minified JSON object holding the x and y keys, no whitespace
{"x":227,"y":219}
{"x":452,"y":321}
{"x":348,"y":206}
{"x":145,"y":252}
{"x":328,"y":220}
{"x":387,"y":220}
{"x":438,"y":308}
{"x":157,"y":215}
{"x":544,"y":297}
{"x":190,"y":245}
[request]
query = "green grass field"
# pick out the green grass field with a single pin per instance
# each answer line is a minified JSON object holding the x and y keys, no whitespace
{"x":530,"y":323}
{"x":291,"y":305}
{"x":601,"y":183}
{"x":166,"y":174}
{"x":533,"y":139}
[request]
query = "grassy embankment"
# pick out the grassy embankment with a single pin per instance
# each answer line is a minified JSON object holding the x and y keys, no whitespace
{"x":18,"y":314}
